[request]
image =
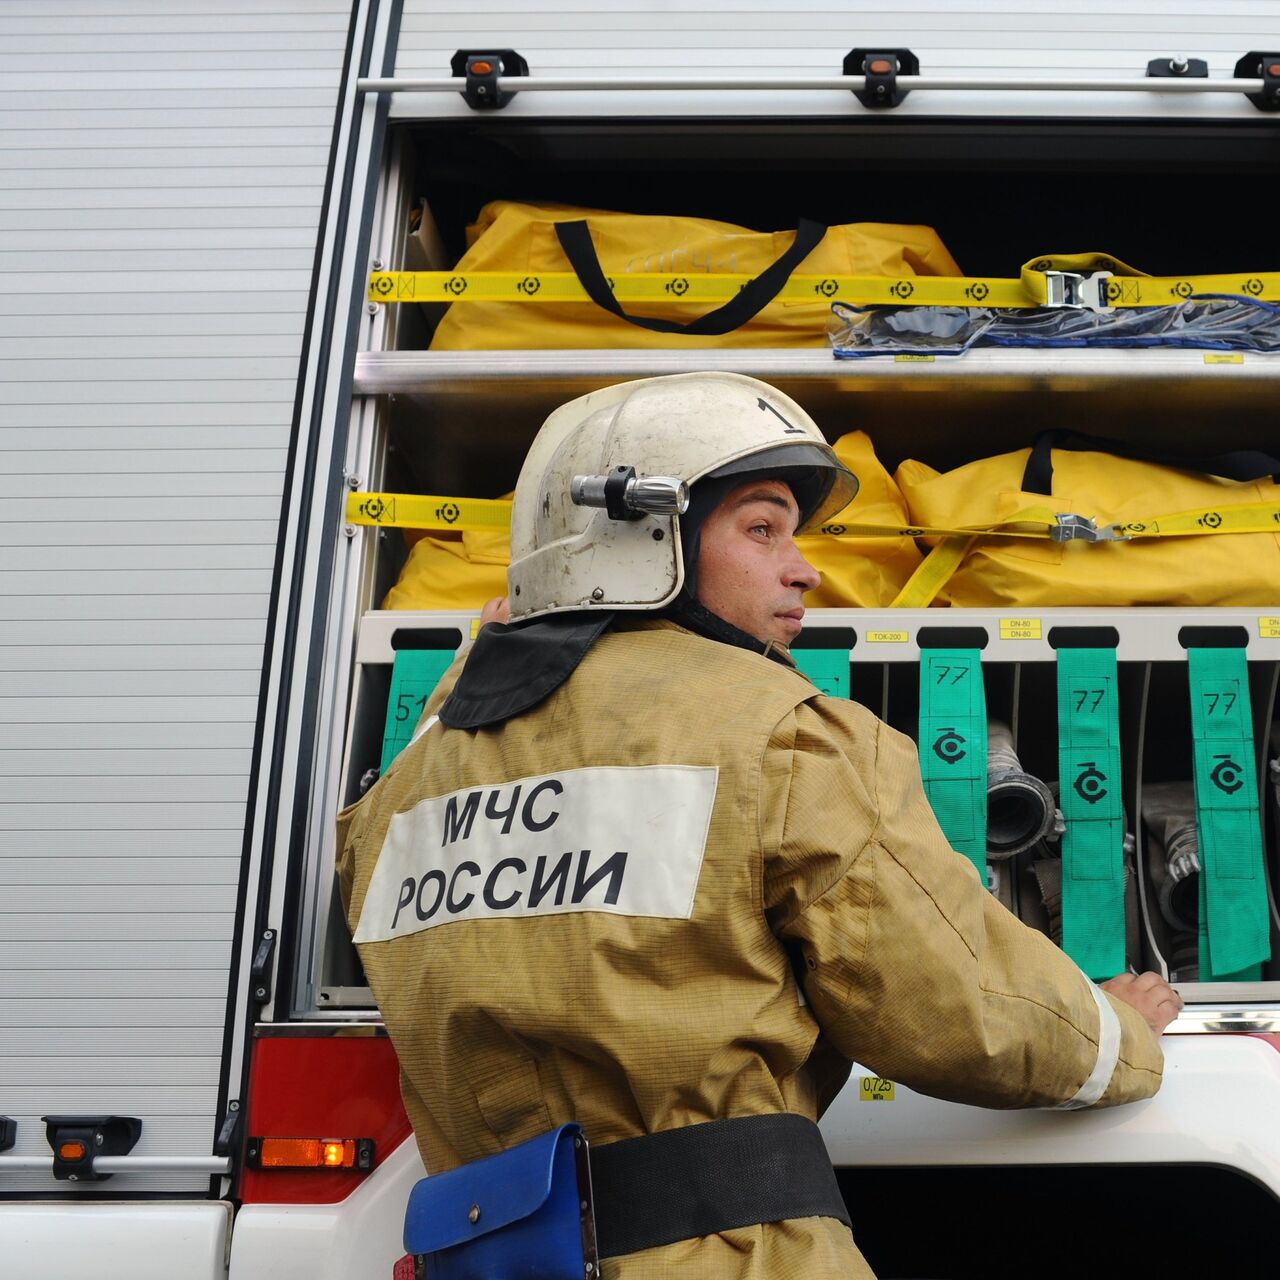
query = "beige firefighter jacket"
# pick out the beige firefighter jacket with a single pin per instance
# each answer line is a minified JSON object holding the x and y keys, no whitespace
{"x":617,"y":941}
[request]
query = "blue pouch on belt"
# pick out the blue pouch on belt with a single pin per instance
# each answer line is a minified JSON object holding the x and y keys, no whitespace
{"x":524,"y":1214}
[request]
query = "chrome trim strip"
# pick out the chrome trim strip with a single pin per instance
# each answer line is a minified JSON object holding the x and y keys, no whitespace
{"x":315,"y":1028}
{"x":1200,"y":1020}
{"x":124,"y":1164}
{"x":1194,"y":1020}
{"x":848,"y":84}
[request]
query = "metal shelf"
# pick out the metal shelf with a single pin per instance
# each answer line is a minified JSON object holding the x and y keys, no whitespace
{"x":383,"y":372}
{"x":891,"y":635}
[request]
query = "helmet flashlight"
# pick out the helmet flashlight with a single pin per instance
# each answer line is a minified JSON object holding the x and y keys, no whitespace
{"x":627,"y":496}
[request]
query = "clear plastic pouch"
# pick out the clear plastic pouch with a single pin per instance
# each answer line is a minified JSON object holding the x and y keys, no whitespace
{"x":1217,"y":322}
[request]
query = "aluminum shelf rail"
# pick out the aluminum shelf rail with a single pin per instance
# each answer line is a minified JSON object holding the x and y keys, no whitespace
{"x":388,"y":372}
{"x":1231,"y":1020}
{"x":888,"y":636}
{"x":1194,"y":1020}
{"x":124,"y":1164}
{"x":851,"y":84}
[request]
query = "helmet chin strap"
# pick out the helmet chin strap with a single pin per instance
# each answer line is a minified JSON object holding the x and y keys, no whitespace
{"x":696,"y":617}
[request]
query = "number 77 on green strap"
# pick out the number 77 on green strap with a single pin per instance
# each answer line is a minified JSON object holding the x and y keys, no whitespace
{"x":1093,"y":931}
{"x":1234,"y":926}
{"x":953,"y":748}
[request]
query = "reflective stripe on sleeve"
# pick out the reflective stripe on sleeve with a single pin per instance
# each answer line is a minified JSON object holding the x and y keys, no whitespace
{"x":1108,"y":1055}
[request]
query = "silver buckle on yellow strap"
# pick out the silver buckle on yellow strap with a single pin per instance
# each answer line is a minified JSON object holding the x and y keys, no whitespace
{"x":1076,"y":291}
{"x":1071,"y":527}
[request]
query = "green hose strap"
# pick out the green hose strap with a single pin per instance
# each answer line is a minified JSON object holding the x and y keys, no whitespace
{"x":413,"y":680}
{"x":953,"y":748}
{"x":1093,"y":932}
{"x":1234,"y":924}
{"x":827,"y":668}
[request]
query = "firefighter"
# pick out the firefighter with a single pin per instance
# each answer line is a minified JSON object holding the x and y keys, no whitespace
{"x":635,"y":871}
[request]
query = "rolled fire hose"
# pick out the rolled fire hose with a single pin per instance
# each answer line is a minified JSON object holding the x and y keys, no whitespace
{"x":1274,"y":768}
{"x":1020,"y":808}
{"x":1169,"y":811}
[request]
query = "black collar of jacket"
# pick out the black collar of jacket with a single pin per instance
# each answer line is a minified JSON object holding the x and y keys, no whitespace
{"x":513,"y":667}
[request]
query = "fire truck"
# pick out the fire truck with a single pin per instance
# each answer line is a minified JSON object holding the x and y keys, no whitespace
{"x":198,"y":673}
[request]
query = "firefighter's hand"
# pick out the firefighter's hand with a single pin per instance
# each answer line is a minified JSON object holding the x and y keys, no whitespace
{"x":1150,"y":994}
{"x":496,"y":610}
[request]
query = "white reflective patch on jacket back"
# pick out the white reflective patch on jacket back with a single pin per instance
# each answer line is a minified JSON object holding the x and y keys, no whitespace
{"x":623,"y":840}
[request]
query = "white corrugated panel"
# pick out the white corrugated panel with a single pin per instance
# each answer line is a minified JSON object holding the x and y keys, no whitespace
{"x":162,"y":167}
{"x":1080,"y":39}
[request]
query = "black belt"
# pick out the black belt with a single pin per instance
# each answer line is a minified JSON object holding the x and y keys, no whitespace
{"x":704,"y":1178}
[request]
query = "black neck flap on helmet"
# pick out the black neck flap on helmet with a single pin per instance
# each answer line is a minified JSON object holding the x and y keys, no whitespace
{"x":512,"y":667}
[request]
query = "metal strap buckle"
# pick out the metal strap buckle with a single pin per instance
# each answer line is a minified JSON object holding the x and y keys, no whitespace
{"x":1077,"y":291}
{"x":1071,"y":527}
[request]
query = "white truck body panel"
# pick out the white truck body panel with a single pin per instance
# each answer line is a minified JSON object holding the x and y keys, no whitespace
{"x":148,"y":1240}
{"x":1219,"y":1105}
{"x":1083,"y":39}
{"x":162,"y":172}
{"x":359,"y":1236}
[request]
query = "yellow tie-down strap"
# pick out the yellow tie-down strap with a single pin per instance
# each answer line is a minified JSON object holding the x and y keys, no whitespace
{"x":1060,"y":280}
{"x":422,"y":511}
{"x":692,"y":290}
{"x":435,"y":513}
{"x":474,"y":515}
{"x":938,"y":566}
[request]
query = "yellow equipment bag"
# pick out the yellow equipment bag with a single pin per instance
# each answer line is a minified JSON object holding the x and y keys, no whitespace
{"x":593,"y":243}
{"x":1165,"y":535}
{"x":453,"y":571}
{"x":860,"y":572}
{"x":447,"y":570}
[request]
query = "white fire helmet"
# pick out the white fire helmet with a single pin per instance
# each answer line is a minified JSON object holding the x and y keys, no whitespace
{"x":596,"y":518}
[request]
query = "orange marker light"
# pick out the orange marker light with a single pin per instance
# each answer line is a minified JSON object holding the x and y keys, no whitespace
{"x":880,"y":67}
{"x":482,"y":68}
{"x":312,"y":1153}
{"x":290,"y":1153}
{"x":72,"y":1151}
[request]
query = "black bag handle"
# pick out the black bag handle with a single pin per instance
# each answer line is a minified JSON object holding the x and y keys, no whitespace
{"x":1240,"y":464}
{"x":575,"y":240}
